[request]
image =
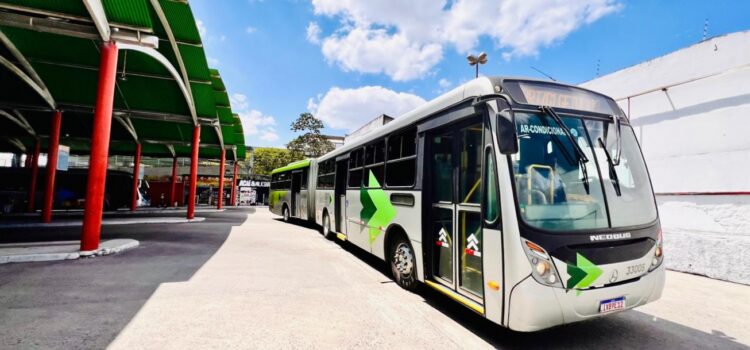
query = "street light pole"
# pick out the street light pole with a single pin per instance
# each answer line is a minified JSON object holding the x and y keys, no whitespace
{"x":476,"y":61}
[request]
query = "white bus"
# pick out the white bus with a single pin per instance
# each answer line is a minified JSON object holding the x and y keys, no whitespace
{"x":527,"y":201}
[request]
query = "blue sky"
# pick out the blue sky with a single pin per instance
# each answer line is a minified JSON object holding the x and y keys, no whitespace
{"x":348,"y":61}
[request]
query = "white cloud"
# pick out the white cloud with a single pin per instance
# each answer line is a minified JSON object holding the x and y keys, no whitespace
{"x":351,"y":108}
{"x":255,"y":124}
{"x":212,"y":61}
{"x":376,"y":51}
{"x":444,"y":83}
{"x":406,"y":39}
{"x":201,"y":28}
{"x":313,"y":33}
{"x":269,"y":135}
{"x":250,"y":30}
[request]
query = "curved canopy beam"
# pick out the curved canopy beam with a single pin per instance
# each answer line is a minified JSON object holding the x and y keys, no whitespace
{"x":19,"y":120}
{"x":27,"y":74}
{"x":185,"y":88}
{"x":167,"y":28}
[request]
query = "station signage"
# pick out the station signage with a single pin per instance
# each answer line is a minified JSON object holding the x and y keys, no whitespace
{"x":63,"y":155}
{"x":253,"y":183}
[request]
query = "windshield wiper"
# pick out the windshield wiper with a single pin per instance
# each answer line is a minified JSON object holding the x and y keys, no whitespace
{"x":551,"y":112}
{"x":582,"y":159}
{"x":612,"y":171}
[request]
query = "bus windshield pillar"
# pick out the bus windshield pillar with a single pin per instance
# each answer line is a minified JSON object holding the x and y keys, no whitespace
{"x":173,"y":183}
{"x":220,"y":202}
{"x":34,"y":163}
{"x":136,"y":173}
{"x":193,"y":172}
{"x":234,"y":185}
{"x":95,"y":186}
{"x":52,"y":148}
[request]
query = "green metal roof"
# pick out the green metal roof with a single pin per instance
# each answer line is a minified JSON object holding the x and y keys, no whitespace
{"x":292,"y":166}
{"x":147,"y":94}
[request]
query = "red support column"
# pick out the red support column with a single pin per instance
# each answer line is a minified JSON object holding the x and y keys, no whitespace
{"x":136,"y":173}
{"x":98,"y":160}
{"x":234,"y":185}
{"x":34,"y":174}
{"x":173,"y":183}
{"x":223,"y":162}
{"x":52,"y":148}
{"x":193,"y":172}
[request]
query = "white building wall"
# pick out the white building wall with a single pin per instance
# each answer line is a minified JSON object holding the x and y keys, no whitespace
{"x":698,"y":152}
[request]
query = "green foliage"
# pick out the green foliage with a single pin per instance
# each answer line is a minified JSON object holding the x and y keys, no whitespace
{"x":266,"y":159}
{"x":310,"y":144}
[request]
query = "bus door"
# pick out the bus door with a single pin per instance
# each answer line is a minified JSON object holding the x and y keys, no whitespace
{"x":453,"y":173}
{"x":295,"y":196}
{"x":342,"y":169}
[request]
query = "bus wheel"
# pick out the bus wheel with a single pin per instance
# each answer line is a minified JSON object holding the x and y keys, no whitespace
{"x":403,"y":264}
{"x":285,"y":213}
{"x":327,"y":226}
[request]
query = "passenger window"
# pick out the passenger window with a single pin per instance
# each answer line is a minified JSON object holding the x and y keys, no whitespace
{"x":401,"y":164}
{"x":374,"y":156}
{"x":491,"y":205}
{"x":356,"y":161}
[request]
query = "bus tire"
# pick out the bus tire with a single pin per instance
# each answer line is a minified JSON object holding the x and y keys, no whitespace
{"x":403,"y":263}
{"x":327,"y":232}
{"x":285,"y":213}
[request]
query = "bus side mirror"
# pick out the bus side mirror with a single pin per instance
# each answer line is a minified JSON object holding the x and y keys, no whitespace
{"x":507,"y":138}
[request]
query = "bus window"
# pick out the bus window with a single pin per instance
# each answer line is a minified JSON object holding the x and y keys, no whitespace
{"x":401,"y":165}
{"x":491,"y":205}
{"x":374,"y":156}
{"x":356,"y":160}
{"x":470,"y":176}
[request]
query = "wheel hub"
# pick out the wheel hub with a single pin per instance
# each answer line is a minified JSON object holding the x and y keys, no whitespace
{"x":403,"y":260}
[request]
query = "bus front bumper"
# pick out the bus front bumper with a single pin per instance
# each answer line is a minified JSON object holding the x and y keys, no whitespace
{"x":534,"y":306}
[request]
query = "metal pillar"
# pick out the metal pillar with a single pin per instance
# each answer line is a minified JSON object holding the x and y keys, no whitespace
{"x":223,"y":162}
{"x":105,"y":93}
{"x":234,"y":185}
{"x":34,"y":174}
{"x":52,"y":150}
{"x":173,"y":183}
{"x":136,"y":173}
{"x":193,"y":172}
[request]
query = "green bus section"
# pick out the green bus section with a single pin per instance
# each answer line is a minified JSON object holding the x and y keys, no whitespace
{"x":292,"y":166}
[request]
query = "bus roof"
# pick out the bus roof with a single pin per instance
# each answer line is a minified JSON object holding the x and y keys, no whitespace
{"x":477,"y":87}
{"x":292,"y":166}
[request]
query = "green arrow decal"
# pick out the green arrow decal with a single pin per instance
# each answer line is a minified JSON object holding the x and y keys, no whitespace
{"x":377,"y":210}
{"x":583,"y":274}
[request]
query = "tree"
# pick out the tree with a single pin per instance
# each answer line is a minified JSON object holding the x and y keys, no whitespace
{"x":312,"y":143}
{"x":266,"y":159}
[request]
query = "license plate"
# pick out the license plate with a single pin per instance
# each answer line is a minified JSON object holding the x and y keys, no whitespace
{"x":612,"y":305}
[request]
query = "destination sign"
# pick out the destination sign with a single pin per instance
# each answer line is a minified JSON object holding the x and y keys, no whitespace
{"x":560,"y":96}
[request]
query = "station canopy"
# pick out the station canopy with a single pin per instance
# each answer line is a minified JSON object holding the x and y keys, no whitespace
{"x":49,"y":60}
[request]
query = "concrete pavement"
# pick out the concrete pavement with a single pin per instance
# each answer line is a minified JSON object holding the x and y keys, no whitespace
{"x":276,"y":285}
{"x":244,"y":280}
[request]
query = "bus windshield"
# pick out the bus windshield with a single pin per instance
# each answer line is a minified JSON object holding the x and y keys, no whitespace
{"x":559,"y":190}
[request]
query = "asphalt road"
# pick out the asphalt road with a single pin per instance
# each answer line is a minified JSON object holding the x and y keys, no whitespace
{"x":244,"y":280}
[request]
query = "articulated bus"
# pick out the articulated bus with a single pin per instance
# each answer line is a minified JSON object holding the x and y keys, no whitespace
{"x":527,"y":201}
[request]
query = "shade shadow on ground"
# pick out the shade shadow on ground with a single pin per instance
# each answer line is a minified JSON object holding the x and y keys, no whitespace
{"x":86,"y":303}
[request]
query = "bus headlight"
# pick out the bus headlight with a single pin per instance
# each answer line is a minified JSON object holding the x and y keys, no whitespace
{"x":658,"y":252}
{"x":542,"y":268}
